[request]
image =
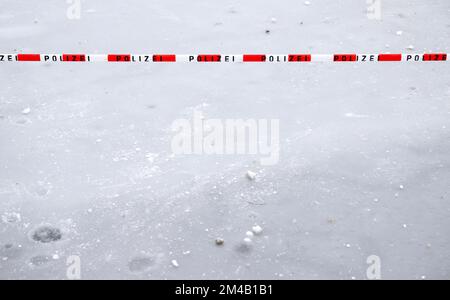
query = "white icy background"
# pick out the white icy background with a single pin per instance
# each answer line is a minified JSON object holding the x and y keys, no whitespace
{"x":350,"y":133}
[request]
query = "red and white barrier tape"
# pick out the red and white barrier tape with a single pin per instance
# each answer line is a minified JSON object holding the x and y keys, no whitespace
{"x":219,"y":58}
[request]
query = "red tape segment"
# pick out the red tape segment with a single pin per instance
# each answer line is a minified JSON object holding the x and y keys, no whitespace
{"x":299,"y":57}
{"x":345,"y":57}
{"x":74,"y":57}
{"x":254,"y":58}
{"x":390,"y":57}
{"x":119,"y":57}
{"x":435,"y":57}
{"x":164,"y":58}
{"x":28,"y":57}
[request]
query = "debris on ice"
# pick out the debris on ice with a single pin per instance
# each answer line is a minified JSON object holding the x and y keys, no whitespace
{"x":46,"y":234}
{"x":257,"y":229}
{"x":251,"y":175}
{"x":151,"y":157}
{"x":11,"y":217}
{"x":175,"y":263}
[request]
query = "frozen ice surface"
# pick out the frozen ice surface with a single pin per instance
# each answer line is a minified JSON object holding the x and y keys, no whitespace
{"x":92,"y":159}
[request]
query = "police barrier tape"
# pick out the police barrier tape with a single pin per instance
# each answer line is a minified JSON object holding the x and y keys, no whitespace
{"x":228,"y":58}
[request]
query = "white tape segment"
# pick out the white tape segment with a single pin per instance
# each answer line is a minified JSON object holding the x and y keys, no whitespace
{"x":224,"y":58}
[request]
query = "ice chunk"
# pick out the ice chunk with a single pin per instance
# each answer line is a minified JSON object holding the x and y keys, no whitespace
{"x":257,"y":229}
{"x":251,"y":175}
{"x":26,"y":111}
{"x":11,"y":217}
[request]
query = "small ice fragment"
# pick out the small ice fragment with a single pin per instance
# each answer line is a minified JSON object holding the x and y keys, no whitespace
{"x":249,"y":234}
{"x":401,"y":186}
{"x":399,"y":32}
{"x":273,"y":20}
{"x":26,"y":111}
{"x":348,"y":245}
{"x":55,"y":256}
{"x":251,"y":175}
{"x":357,"y":116}
{"x":307,"y":3}
{"x":257,"y":229}
{"x":410,"y":47}
{"x":151,"y":157}
{"x":219,"y":241}
{"x":11,"y":217}
{"x":248,"y":240}
{"x":175,"y":263}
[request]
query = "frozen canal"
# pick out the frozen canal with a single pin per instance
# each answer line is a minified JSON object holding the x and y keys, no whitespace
{"x":87,"y":170}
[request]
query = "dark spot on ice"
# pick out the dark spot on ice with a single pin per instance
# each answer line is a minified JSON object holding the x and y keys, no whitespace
{"x":243,"y":248}
{"x":267,"y":31}
{"x":46,"y":234}
{"x":141,"y":264}
{"x":10,"y":251}
{"x":40,"y":260}
{"x":22,"y":121}
{"x":41,"y":191}
{"x":151,"y":106}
